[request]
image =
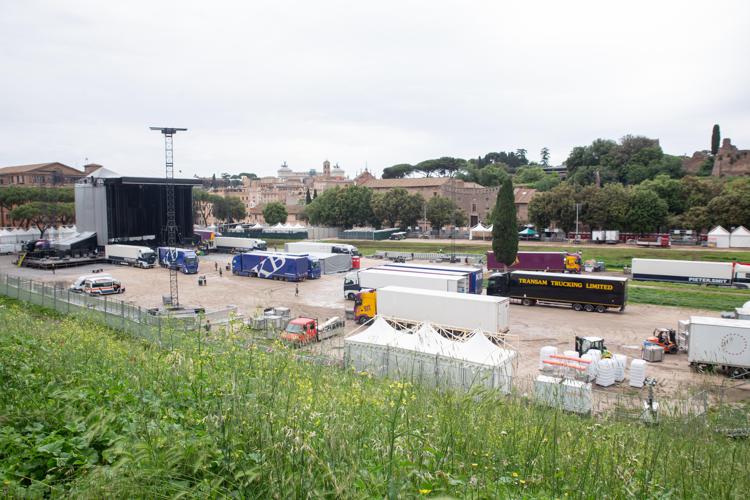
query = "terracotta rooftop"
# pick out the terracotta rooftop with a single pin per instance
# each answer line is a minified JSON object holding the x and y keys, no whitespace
{"x":523,"y":195}
{"x":20,"y":169}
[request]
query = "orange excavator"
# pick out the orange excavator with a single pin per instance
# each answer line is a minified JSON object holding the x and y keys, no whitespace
{"x":666,"y":338}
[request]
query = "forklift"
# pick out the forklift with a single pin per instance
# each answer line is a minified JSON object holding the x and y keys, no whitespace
{"x":666,"y":338}
{"x":585,"y":344}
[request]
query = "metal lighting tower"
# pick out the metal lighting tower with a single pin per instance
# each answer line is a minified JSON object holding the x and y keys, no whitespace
{"x":171,"y":211}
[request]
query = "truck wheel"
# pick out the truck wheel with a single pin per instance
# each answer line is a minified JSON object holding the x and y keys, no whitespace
{"x":589,"y":308}
{"x":349,"y":296}
{"x":528,"y":302}
{"x":577,"y":307}
{"x":601,"y":309}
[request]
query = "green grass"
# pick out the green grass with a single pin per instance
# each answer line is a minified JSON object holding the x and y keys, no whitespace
{"x":613,"y":257}
{"x":690,"y":296}
{"x":86,"y":413}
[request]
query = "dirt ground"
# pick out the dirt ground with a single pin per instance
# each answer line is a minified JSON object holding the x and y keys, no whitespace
{"x":530,"y":327}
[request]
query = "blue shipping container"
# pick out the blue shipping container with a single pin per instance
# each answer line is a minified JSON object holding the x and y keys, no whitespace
{"x":270,"y":266}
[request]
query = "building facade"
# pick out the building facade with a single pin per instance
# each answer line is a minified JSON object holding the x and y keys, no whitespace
{"x":53,"y":174}
{"x":475,"y":200}
{"x":730,"y":160}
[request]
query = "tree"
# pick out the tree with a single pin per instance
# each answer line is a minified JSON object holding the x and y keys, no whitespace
{"x":274,"y":213}
{"x":43,"y":214}
{"x":528,"y":175}
{"x":248,"y":175}
{"x":505,"y":226}
{"x":343,"y":207}
{"x":545,"y":156}
{"x":646,"y":212}
{"x":715,"y":139}
{"x":555,"y":206}
{"x":606,"y":207}
{"x":308,"y":198}
{"x":732,"y":207}
{"x":229,"y":208}
{"x":440,"y":212}
{"x":203,"y":202}
{"x":398,"y":206}
{"x":669,"y":190}
{"x":398,"y":171}
{"x":521,"y":153}
{"x":315,"y":193}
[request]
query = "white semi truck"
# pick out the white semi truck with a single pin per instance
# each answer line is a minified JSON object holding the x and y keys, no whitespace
{"x":130,"y":255}
{"x":378,"y":278}
{"x":719,"y":342}
{"x":319,"y":246}
{"x":692,"y":271}
{"x":238,"y":245}
{"x":449,"y":309}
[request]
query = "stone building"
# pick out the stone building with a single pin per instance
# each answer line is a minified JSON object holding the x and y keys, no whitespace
{"x":475,"y":200}
{"x":53,"y":174}
{"x":730,"y":160}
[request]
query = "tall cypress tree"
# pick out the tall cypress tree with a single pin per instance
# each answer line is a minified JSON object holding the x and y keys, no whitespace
{"x":715,"y":139}
{"x":505,"y":225}
{"x":308,"y":198}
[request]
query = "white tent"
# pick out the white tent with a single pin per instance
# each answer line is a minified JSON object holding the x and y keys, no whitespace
{"x":480,"y":232}
{"x":740,"y":238}
{"x":423,"y":356}
{"x":718,"y":237}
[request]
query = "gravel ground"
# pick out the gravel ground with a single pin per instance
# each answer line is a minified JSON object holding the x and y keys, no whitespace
{"x":530,"y":327}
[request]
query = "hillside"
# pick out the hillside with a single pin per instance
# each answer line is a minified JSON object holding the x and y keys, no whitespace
{"x":85,"y":412}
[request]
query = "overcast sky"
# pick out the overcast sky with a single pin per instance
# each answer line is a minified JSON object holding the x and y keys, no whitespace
{"x":362,"y":83}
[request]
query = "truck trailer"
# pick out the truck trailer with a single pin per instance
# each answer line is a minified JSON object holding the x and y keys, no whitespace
{"x":556,"y":262}
{"x":375,"y":278}
{"x":587,"y":293}
{"x":475,"y":274}
{"x":451,"y":310}
{"x":182,"y":259}
{"x":233,"y":244}
{"x":692,"y":271}
{"x":270,"y":266}
{"x":320,"y":246}
{"x":130,"y":255}
{"x":313,"y":263}
{"x":719,"y":342}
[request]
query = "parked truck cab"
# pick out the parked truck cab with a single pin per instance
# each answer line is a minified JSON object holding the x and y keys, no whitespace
{"x":573,"y":263}
{"x":351,"y":286}
{"x":365,"y":306}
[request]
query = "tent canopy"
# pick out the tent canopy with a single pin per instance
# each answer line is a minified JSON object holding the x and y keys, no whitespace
{"x":718,"y":231}
{"x":527,"y":232}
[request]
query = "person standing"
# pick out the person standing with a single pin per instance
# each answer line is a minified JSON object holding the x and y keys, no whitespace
{"x":296,"y":289}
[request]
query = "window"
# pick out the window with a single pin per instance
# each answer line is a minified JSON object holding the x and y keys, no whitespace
{"x":473,"y":207}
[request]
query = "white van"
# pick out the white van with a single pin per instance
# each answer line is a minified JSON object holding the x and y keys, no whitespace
{"x":102,"y":286}
{"x":77,"y":285}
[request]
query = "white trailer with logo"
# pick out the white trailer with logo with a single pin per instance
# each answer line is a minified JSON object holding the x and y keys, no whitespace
{"x":378,"y":278}
{"x":720,"y":342}
{"x":691,"y":271}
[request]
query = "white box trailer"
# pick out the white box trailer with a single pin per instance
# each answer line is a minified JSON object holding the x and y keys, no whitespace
{"x":130,"y":255}
{"x":683,"y":271}
{"x":237,"y":244}
{"x":378,"y":278}
{"x":319,"y":246}
{"x":448,"y":309}
{"x":716,"y":341}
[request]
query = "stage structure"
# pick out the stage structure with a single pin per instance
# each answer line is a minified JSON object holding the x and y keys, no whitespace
{"x":132,"y":209}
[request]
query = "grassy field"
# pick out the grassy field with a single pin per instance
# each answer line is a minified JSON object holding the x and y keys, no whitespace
{"x":613,"y":257}
{"x":85,"y":413}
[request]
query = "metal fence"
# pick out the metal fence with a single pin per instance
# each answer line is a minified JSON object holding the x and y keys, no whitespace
{"x":117,"y":314}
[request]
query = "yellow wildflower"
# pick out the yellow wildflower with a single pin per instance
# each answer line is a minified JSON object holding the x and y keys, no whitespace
{"x":425,"y":492}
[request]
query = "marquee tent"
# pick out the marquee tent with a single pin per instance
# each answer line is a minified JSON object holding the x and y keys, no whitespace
{"x":424,"y":356}
{"x":480,"y":232}
{"x":740,"y":238}
{"x":718,"y":237}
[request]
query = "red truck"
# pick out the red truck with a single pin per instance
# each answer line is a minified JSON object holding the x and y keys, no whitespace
{"x":301,"y":331}
{"x":558,"y":262}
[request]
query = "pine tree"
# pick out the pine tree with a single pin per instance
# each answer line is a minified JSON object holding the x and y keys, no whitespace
{"x":308,"y":198}
{"x":315,"y":193}
{"x":715,"y":139}
{"x":505,"y":225}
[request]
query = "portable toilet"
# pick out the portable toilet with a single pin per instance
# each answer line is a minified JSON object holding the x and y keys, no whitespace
{"x":718,"y":237}
{"x":740,"y":238}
